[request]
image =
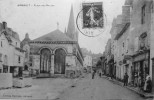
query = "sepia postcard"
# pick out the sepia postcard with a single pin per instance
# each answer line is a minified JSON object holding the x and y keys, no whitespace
{"x":76,"y":50}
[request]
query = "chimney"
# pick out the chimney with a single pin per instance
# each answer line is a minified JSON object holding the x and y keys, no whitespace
{"x":4,"y":25}
{"x":126,"y":14}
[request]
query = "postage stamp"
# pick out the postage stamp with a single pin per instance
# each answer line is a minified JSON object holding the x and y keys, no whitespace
{"x":92,"y":15}
{"x":91,"y":19}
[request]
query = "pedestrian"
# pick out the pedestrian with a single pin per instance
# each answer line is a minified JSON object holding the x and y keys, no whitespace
{"x":99,"y":65}
{"x":99,"y":72}
{"x":93,"y":73}
{"x":126,"y":79}
{"x":145,"y":84}
{"x":135,"y":76}
{"x":149,"y":85}
{"x":140,"y":83}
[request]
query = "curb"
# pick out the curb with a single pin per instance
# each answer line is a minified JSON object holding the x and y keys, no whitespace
{"x":139,"y":93}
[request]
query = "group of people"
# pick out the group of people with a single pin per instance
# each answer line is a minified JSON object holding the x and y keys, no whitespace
{"x":146,"y":86}
{"x":97,"y":69}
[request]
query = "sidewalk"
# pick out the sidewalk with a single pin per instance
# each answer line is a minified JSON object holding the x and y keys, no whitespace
{"x":146,"y":95}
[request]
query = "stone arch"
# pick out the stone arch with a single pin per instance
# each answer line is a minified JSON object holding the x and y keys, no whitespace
{"x":59,"y":61}
{"x":45,"y":60}
{"x":44,"y":48}
{"x":60,"y":48}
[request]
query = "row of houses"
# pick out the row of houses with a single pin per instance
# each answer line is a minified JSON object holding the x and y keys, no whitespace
{"x":130,"y":48}
{"x":12,"y":56}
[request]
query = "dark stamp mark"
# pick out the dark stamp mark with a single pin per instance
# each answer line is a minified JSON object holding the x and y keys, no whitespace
{"x":91,"y":19}
{"x":92,"y":15}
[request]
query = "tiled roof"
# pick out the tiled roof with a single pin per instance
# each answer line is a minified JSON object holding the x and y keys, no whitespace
{"x":10,"y":32}
{"x":56,"y":35}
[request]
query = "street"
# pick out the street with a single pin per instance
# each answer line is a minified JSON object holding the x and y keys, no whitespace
{"x":71,"y":89}
{"x":43,"y":88}
{"x":98,"y":89}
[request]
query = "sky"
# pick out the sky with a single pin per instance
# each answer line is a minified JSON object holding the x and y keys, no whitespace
{"x":40,"y":20}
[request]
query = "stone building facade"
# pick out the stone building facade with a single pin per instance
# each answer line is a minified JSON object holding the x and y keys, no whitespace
{"x":107,"y":53}
{"x":88,"y":62}
{"x":11,"y":55}
{"x":140,"y":39}
{"x":57,"y":53}
{"x":132,"y":33}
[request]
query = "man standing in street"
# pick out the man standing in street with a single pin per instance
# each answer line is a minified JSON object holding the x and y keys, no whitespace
{"x":126,"y":79}
{"x":99,"y":66}
{"x":93,"y":73}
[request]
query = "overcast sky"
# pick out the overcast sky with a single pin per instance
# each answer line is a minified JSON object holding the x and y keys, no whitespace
{"x":38,"y":21}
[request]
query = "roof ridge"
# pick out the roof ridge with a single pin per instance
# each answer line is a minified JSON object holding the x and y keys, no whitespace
{"x":56,"y":35}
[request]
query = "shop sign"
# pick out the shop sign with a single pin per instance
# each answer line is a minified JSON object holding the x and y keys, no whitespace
{"x":127,"y":56}
{"x":141,"y":57}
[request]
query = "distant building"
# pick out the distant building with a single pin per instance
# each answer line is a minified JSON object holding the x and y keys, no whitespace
{"x":11,"y":55}
{"x":88,"y":62}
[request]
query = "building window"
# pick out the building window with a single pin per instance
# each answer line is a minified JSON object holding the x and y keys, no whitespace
{"x":143,"y":15}
{"x":19,"y":59}
{"x":143,"y":40}
{"x":127,"y":41}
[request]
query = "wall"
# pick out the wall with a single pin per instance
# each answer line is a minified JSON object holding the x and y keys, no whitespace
{"x":9,"y":50}
{"x":36,"y":47}
{"x":136,"y":27}
{"x":152,"y":44}
{"x":72,"y":62}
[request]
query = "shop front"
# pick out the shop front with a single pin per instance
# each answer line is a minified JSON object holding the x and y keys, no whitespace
{"x":140,"y":68}
{"x":127,"y":63}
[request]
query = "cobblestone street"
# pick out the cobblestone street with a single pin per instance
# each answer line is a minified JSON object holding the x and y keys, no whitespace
{"x":99,"y":89}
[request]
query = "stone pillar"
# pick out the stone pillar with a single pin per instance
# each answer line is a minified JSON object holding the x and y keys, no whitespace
{"x":52,"y":64}
{"x":8,"y":69}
